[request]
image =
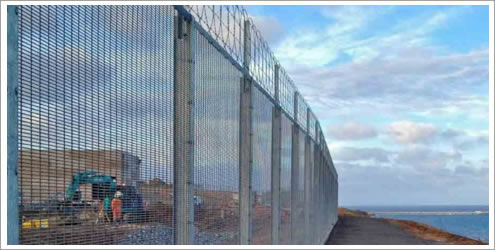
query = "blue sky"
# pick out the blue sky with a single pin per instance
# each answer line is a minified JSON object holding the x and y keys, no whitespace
{"x":401,"y":93}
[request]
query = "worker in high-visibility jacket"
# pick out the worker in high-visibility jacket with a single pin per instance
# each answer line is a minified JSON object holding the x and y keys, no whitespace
{"x":116,"y":206}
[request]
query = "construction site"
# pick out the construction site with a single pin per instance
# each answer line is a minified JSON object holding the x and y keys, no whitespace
{"x":49,"y":216}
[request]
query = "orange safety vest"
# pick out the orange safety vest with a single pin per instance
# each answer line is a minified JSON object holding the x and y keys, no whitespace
{"x":116,"y":206}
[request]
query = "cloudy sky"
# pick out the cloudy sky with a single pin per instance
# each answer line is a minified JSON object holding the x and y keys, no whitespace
{"x":401,"y":93}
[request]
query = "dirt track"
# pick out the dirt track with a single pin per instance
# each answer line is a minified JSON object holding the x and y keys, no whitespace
{"x":352,"y":230}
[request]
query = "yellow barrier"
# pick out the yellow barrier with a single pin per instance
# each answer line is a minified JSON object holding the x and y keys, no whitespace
{"x":43,"y":223}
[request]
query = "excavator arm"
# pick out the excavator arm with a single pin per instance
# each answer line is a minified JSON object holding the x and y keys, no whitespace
{"x":132,"y":206}
{"x":88,"y":177}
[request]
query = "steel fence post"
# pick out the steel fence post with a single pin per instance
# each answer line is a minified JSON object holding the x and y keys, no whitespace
{"x":12,"y":132}
{"x":337,"y":197}
{"x":183,"y":132}
{"x":307,"y":180}
{"x":245,"y":145}
{"x":294,"y":173}
{"x":312,"y":190}
{"x":276,"y":160}
{"x":333,"y":201}
{"x":321,"y":202}
{"x":314,"y":208}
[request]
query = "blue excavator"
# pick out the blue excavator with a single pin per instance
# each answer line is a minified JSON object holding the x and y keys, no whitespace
{"x":104,"y":188}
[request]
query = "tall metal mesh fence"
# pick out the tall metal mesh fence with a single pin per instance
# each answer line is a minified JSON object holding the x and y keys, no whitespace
{"x":216,"y":140}
{"x":95,"y":101}
{"x":261,"y":169}
{"x":298,"y":229}
{"x":285,"y":182}
{"x":129,"y":130}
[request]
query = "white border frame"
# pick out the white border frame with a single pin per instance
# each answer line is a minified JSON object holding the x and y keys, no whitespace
{"x":3,"y":15}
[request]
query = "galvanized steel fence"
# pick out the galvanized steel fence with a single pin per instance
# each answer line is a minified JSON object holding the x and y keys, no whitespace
{"x":159,"y":125}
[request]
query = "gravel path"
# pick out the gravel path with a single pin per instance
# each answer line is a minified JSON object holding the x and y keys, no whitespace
{"x":351,"y":230}
{"x":162,"y":235}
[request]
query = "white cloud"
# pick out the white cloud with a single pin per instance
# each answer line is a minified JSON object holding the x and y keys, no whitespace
{"x":425,"y":159}
{"x":360,"y":184}
{"x":396,"y":69}
{"x":466,"y":169}
{"x":351,"y":17}
{"x":270,"y":28}
{"x":361,"y":154}
{"x":317,"y":47}
{"x":451,"y":133}
{"x":415,"y":173}
{"x":412,"y":83}
{"x":346,"y":70}
{"x":472,"y":142}
{"x":411,"y":132}
{"x":465,"y":139}
{"x":351,"y":131}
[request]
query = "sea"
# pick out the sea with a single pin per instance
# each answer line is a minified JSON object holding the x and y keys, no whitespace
{"x":468,"y":221}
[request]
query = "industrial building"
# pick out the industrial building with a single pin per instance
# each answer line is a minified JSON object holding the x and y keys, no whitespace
{"x":45,"y":174}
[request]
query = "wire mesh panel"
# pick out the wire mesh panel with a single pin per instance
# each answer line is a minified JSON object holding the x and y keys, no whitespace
{"x":312,"y":122}
{"x":302,"y":111}
{"x":261,"y":172}
{"x":334,"y":194}
{"x":216,"y":138}
{"x":328,"y":190}
{"x":297,"y":215}
{"x":330,"y":196}
{"x":323,"y":199}
{"x":336,"y":198}
{"x":103,"y":127}
{"x":287,"y":91}
{"x":285,"y":182}
{"x":95,"y":127}
{"x":308,"y":199}
{"x":316,"y":193}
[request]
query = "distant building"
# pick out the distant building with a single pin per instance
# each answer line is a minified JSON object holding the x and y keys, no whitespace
{"x":45,"y":174}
